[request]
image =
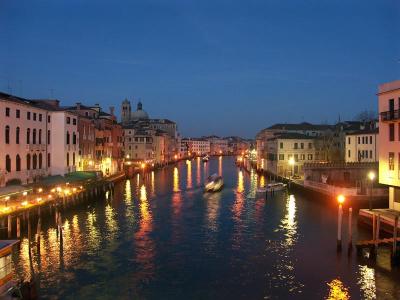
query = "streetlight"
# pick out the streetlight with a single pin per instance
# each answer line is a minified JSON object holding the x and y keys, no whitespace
{"x":340,"y":200}
{"x":371,"y":177}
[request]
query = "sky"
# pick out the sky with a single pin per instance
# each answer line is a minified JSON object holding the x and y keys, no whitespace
{"x":215,"y":67}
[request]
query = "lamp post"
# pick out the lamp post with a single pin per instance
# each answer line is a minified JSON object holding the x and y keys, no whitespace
{"x":371,"y":177}
{"x":340,"y":199}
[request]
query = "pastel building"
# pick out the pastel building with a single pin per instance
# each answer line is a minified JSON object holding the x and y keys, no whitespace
{"x":362,"y":146}
{"x":389,"y":140}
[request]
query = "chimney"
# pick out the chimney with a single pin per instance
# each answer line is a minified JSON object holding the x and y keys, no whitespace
{"x":78,"y":105}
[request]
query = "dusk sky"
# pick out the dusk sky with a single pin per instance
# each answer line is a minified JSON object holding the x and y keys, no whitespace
{"x":215,"y":67}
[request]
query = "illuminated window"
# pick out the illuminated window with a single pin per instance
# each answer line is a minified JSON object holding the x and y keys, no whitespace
{"x":391,"y":161}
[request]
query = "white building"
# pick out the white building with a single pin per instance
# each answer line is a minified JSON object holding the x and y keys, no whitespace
{"x":389,"y":140}
{"x":218,"y":145}
{"x":362,"y":146}
{"x":34,"y":143}
{"x":197,"y":146}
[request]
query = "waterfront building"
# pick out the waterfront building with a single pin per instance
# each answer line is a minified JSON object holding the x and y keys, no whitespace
{"x":389,"y":140}
{"x":362,"y":146}
{"x":217,"y":145}
{"x":287,"y":153}
{"x":198,"y":146}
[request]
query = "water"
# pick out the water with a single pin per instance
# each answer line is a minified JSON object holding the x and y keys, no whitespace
{"x":160,"y":237}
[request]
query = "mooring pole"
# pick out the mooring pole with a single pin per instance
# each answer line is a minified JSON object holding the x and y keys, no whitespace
{"x":396,"y":221}
{"x":350,"y":228}
{"x":339,"y":231}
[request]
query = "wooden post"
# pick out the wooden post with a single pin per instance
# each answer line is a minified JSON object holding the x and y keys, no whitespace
{"x":18,"y":227}
{"x":373,"y":226}
{"x":9,"y":224}
{"x":350,"y":228}
{"x":339,"y":232}
{"x":396,"y":222}
{"x":378,"y":225}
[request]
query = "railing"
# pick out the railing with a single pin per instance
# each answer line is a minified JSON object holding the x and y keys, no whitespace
{"x":390,"y":115}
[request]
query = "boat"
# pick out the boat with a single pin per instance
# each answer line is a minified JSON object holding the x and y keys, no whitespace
{"x":276,"y":186}
{"x":205,"y":158}
{"x":214,"y":183}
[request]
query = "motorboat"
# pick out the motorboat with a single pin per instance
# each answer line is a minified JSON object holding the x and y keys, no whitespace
{"x":205,"y":158}
{"x":214,"y":183}
{"x":261,"y":190}
{"x":276,"y":186}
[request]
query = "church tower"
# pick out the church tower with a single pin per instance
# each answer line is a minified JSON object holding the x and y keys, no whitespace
{"x":126,"y":111}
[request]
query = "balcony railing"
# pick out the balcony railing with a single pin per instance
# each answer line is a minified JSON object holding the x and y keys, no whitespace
{"x":390,"y":115}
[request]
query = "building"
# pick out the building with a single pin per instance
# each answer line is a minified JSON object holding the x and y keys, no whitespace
{"x":41,"y":135}
{"x":218,"y":145}
{"x":197,"y":146}
{"x":362,"y":146}
{"x":288,"y":152}
{"x":389,"y":140}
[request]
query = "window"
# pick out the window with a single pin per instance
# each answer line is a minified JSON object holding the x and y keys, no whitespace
{"x":74,"y":121}
{"x":8,"y":163}
{"x":302,"y":157}
{"x":359,"y":140}
{"x":7,"y":111}
{"x":34,"y":162}
{"x":370,"y":154}
{"x":40,"y":160}
{"x":17,"y":135}
{"x":74,"y":138}
{"x":296,"y":157}
{"x":18,"y":163}
{"x":391,"y":161}
{"x":310,"y":157}
{"x":40,"y":136}
{"x":28,"y":115}
{"x":281,"y":145}
{"x":309,"y":145}
{"x":34,"y":136}
{"x":67,"y":138}
{"x":7,"y":133}
{"x":302,"y":145}
{"x":68,"y":120}
{"x":349,"y":140}
{"x":48,"y":160}
{"x":48,"y":119}
{"x":40,"y":117}
{"x":296,"y":146}
{"x":391,"y":132}
{"x":48,"y":137}
{"x":366,"y":153}
{"x":67,"y":159}
{"x":370,"y":139}
{"x":28,"y":161}
{"x":28,"y":134}
{"x":73,"y":158}
{"x":17,"y":113}
{"x":34,"y":116}
{"x":281,"y":156}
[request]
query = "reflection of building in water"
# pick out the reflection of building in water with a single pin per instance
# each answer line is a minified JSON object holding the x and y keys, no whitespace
{"x":253,"y":183}
{"x":152,"y":184}
{"x":176,"y":180}
{"x":213,"y":204}
{"x":220,"y":166}
{"x":366,"y":281}
{"x":337,"y":290}
{"x":189,"y":174}
{"x":239,"y":201}
{"x":128,"y":192}
{"x":240,"y":185}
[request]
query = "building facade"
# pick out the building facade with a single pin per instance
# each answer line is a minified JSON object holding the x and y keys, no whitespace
{"x":389,"y":140}
{"x":362,"y":146}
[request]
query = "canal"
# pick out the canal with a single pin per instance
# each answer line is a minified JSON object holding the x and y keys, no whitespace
{"x":160,"y":237}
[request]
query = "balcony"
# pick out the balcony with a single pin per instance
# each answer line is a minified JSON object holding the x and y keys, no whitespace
{"x":391,"y":115}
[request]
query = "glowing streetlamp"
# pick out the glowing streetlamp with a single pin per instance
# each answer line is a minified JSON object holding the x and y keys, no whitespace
{"x":340,"y":199}
{"x":40,"y":190}
{"x":371,"y":177}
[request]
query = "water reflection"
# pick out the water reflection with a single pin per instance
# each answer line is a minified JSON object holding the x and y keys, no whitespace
{"x":337,"y":290}
{"x":198,"y":171}
{"x":366,"y":281}
{"x":176,"y":180}
{"x":262,"y":180}
{"x":289,"y":223}
{"x":189,"y":174}
{"x":92,"y":232}
{"x":128,"y":192}
{"x":152,"y":185}
{"x":220,"y":165}
{"x":111,"y":223}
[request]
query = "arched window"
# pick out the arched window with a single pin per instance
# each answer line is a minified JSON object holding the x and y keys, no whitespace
{"x":48,"y":160}
{"x":40,"y":136}
{"x":17,"y":135}
{"x":28,"y":161}
{"x":18,"y":163}
{"x":67,"y":159}
{"x":34,"y":162}
{"x":74,"y":138}
{"x":40,"y":160}
{"x":8,"y":163}
{"x":7,"y":134}
{"x":67,"y":137}
{"x":73,"y":158}
{"x":28,"y":135}
{"x":34,"y":136}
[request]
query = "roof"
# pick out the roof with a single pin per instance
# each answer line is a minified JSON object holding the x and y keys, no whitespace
{"x":291,"y":136}
{"x":365,"y":131}
{"x":300,"y":126}
{"x":389,"y":86}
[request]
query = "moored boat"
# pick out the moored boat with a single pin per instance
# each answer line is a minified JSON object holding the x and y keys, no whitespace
{"x":205,"y":158}
{"x":276,"y":186}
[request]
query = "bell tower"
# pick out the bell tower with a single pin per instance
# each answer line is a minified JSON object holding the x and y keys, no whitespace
{"x":126,"y":111}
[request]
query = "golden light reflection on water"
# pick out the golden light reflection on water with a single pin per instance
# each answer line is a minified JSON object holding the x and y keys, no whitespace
{"x":253,"y":184}
{"x":240,"y":183}
{"x":189,"y":174}
{"x":213,"y":204}
{"x":92,"y":232}
{"x":152,"y":185}
{"x":128,"y":192}
{"x":289,"y":223}
{"x":337,"y":290}
{"x":137,"y":180}
{"x":366,"y":281}
{"x":262,"y":180}
{"x":175,"y":187}
{"x":198,"y":171}
{"x":220,"y":166}
{"x":111,"y":223}
{"x":239,"y":201}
